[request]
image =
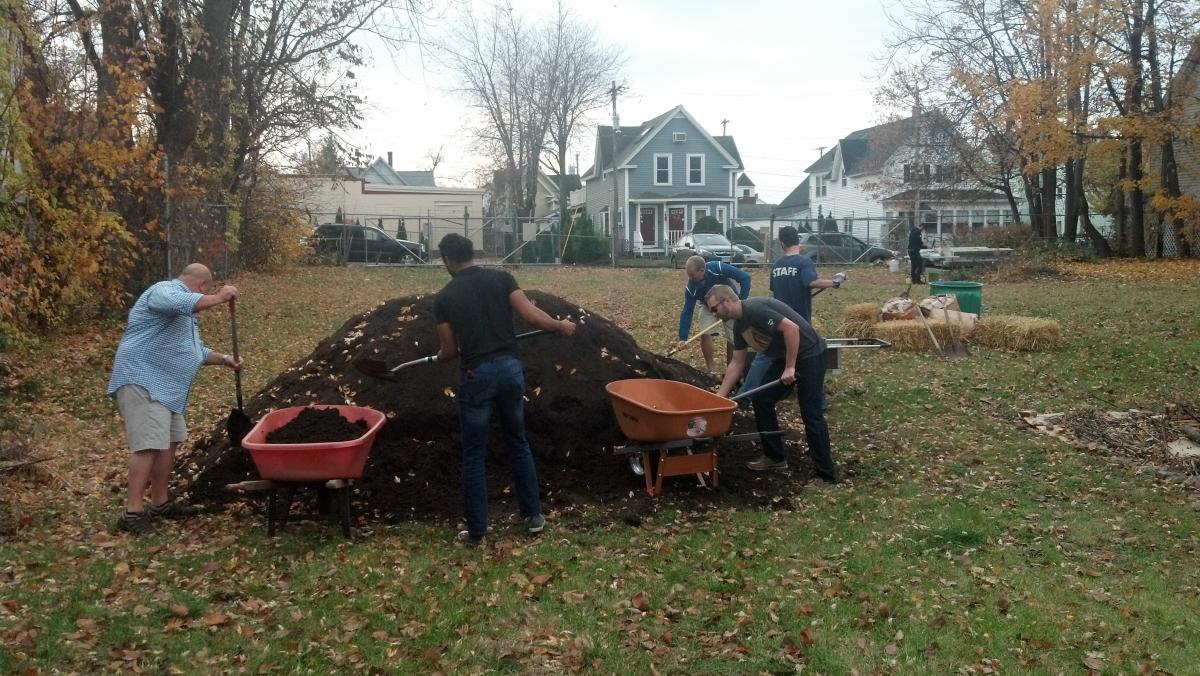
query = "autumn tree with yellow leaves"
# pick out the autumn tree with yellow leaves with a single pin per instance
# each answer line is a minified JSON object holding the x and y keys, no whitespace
{"x":1055,"y":87}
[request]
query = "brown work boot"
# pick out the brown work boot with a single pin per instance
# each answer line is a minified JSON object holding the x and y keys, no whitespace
{"x":764,"y":464}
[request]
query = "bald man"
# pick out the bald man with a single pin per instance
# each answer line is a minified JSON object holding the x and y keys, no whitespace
{"x":156,"y":362}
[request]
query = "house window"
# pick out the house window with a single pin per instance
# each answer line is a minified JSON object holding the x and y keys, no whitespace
{"x":695,"y":166}
{"x":697,"y":214}
{"x":721,"y":216}
{"x":604,"y":220}
{"x":843,"y":181}
{"x":745,"y":192}
{"x":662,"y":169}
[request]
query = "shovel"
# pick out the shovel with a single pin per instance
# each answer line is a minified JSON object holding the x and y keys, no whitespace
{"x":955,"y":350}
{"x":239,"y":424}
{"x":378,"y":369}
{"x":699,"y":334}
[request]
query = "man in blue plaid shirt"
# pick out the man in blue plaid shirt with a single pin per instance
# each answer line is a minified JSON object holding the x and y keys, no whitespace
{"x":156,"y":362}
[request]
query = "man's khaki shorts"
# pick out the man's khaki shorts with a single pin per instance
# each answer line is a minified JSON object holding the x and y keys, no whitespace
{"x":707,"y":317}
{"x":148,"y":424}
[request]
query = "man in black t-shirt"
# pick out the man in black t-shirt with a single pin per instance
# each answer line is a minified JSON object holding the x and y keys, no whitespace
{"x":797,"y":357}
{"x":474,"y":314}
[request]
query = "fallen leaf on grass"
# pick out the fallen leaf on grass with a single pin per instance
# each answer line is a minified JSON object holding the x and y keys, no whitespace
{"x":541,"y":580}
{"x":641,"y":602}
{"x":214,"y":619}
{"x":179,"y":609}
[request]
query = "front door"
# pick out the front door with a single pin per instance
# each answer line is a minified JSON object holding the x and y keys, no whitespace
{"x":647,"y":221}
{"x":676,"y":217}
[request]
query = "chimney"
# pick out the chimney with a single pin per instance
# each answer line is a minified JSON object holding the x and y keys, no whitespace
{"x":389,"y":159}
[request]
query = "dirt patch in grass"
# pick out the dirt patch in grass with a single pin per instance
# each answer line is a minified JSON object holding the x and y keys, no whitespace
{"x":413,"y":469}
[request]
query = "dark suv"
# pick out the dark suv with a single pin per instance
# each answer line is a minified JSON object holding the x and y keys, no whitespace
{"x":839,"y":247}
{"x":364,"y":244}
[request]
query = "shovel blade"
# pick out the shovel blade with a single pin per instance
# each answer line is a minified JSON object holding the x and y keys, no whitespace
{"x":237,"y":426}
{"x":373,"y":368}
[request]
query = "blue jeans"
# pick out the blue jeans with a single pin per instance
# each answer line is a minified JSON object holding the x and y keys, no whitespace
{"x":810,"y":394}
{"x":498,"y":384}
{"x":754,"y":375}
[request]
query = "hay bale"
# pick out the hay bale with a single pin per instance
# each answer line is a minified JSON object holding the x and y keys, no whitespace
{"x":857,"y":320}
{"x":1010,"y":332}
{"x":909,"y":335}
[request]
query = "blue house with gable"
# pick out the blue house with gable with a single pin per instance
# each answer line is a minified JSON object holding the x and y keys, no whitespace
{"x":668,"y":172}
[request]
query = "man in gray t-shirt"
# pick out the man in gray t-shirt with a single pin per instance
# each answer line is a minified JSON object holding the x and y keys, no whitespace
{"x":797,"y":358}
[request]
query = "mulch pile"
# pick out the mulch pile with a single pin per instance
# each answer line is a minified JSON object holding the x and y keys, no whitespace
{"x":413,"y":469}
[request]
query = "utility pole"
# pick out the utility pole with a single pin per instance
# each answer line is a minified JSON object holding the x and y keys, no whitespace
{"x":612,"y":217}
{"x":723,"y":123}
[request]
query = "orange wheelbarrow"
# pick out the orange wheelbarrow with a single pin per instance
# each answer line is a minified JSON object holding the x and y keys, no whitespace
{"x":664,"y":418}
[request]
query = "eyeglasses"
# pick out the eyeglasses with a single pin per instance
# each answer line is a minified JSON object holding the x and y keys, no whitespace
{"x":714,"y":306}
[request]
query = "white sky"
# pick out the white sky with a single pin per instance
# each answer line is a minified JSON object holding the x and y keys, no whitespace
{"x":788,"y":75}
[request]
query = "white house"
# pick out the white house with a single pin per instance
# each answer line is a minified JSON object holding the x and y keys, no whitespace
{"x":874,"y":179}
{"x":382,"y":196}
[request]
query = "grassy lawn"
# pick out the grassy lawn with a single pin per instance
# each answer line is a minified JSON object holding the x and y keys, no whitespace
{"x":962,"y":542}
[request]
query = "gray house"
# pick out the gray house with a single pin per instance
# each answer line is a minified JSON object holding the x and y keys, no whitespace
{"x":668,"y":172}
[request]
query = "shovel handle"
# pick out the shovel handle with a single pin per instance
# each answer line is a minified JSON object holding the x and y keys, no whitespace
{"x":758,"y":389}
{"x":699,"y":334}
{"x":433,"y":357}
{"x":237,"y":375}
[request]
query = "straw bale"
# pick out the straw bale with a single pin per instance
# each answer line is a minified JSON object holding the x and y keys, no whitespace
{"x":1017,"y":333}
{"x":909,"y":335}
{"x":857,"y":320}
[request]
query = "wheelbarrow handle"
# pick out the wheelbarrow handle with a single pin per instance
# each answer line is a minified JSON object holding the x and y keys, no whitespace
{"x":758,"y":389}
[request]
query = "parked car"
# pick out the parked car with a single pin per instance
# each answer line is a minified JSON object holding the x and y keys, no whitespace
{"x":712,"y":247}
{"x":839,"y":247}
{"x":364,"y":244}
{"x":752,"y":257}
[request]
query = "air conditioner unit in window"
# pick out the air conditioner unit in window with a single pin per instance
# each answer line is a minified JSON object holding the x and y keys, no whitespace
{"x":679,"y":136}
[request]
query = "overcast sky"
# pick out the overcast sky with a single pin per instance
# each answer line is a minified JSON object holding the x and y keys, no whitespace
{"x":789,"y":76}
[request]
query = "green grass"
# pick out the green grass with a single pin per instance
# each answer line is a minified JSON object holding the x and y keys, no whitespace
{"x":963,"y":540}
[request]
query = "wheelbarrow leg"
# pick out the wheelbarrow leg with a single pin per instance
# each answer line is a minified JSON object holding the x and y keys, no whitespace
{"x":344,"y":502}
{"x":271,"y":500}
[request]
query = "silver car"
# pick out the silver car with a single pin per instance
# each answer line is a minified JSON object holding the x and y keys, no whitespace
{"x":711,"y":246}
{"x":751,"y":257}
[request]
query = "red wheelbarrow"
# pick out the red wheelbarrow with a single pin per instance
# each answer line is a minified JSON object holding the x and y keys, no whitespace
{"x":665,"y":416}
{"x":333,"y":466}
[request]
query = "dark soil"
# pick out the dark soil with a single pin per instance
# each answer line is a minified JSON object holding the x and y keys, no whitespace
{"x":413,"y":469}
{"x":317,"y":425}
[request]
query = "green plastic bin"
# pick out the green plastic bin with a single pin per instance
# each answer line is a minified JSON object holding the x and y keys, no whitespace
{"x":969,"y":294}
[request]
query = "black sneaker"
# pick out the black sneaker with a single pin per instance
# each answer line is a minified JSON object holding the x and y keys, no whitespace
{"x":536,"y":523}
{"x":464,"y":538}
{"x":134,"y":523}
{"x":172,"y":510}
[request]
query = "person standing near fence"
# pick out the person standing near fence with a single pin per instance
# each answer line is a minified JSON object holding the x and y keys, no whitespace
{"x":916,"y":242}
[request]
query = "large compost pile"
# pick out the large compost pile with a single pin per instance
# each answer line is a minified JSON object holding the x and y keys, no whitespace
{"x":413,"y":469}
